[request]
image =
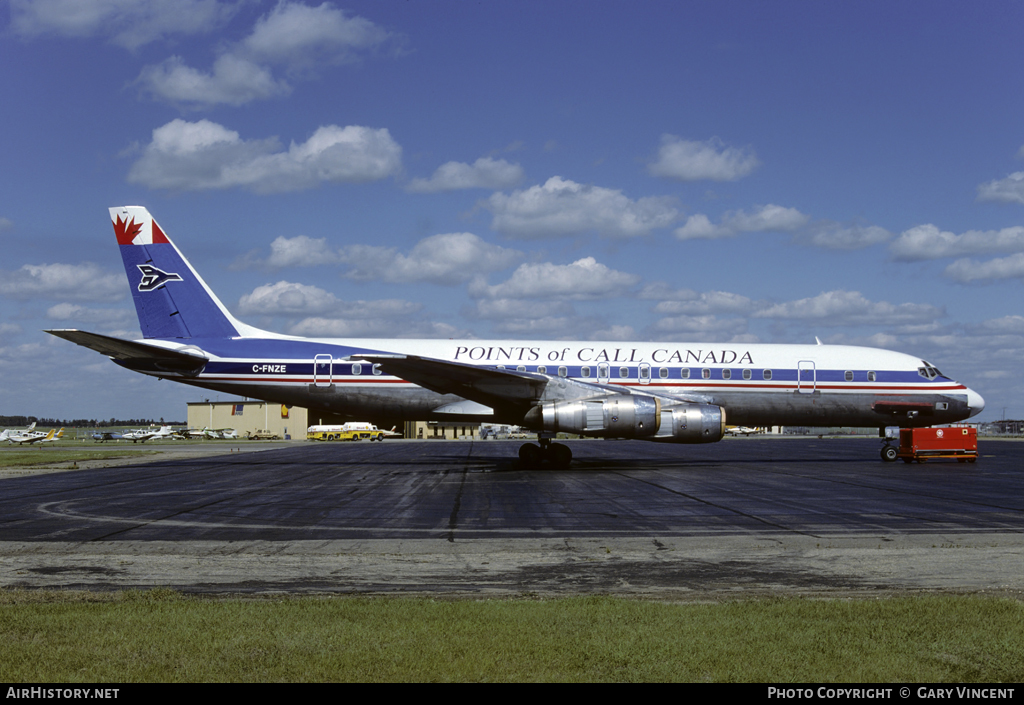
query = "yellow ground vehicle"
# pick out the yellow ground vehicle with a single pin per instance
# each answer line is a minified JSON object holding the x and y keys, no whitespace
{"x":356,"y":431}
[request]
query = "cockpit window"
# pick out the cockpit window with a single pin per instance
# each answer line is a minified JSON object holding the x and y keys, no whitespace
{"x":928,"y":371}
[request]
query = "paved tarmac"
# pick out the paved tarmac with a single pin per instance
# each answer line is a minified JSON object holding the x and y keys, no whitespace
{"x":741,"y":517}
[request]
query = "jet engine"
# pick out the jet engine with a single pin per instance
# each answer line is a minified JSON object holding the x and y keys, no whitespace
{"x":631,"y":417}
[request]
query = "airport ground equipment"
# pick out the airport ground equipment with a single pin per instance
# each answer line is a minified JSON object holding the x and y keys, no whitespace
{"x":355,"y":431}
{"x":921,"y":444}
{"x":262,"y":435}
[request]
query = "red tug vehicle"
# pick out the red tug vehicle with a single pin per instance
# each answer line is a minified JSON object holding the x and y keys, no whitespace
{"x":920,"y":444}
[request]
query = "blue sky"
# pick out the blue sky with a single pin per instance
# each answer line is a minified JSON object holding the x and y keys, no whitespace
{"x":720,"y":171}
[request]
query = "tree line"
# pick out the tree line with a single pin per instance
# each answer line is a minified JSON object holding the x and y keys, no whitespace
{"x":13,"y":421}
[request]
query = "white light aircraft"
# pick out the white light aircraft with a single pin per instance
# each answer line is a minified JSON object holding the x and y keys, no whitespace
{"x":742,"y":431}
{"x":220,"y":434}
{"x":144,"y":434}
{"x":11,"y":432}
{"x":676,"y":392}
{"x":33,"y":437}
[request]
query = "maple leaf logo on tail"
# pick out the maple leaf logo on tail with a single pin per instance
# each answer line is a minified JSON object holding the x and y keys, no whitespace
{"x":126,"y":230}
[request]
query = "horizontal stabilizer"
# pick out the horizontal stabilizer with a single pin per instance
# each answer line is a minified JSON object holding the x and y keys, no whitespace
{"x":137,"y":356}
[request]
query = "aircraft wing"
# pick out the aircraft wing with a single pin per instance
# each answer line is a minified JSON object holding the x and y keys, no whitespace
{"x":136,"y":356}
{"x":488,"y":386}
{"x":499,"y":388}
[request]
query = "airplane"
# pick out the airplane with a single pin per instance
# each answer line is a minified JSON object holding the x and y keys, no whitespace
{"x":36,"y":437}
{"x":742,"y":431}
{"x":211,"y":433}
{"x":676,"y":392}
{"x":221,"y":434}
{"x":165,"y":432}
{"x":10,"y":432}
{"x":143,"y":434}
{"x":102,"y":436}
{"x":137,"y":435}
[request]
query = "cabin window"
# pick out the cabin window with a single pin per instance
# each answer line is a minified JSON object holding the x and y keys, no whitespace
{"x":623,"y":372}
{"x":871,"y":376}
{"x":521,"y":368}
{"x":376,"y":369}
{"x":727,"y":374}
{"x":685,"y":373}
{"x":705,"y":373}
{"x":767,"y":374}
{"x":604,"y":371}
{"x":357,"y":369}
{"x":585,"y":372}
{"x":563,"y":371}
{"x":542,"y":369}
{"x":848,"y":375}
{"x":747,"y":374}
{"x":645,"y":372}
{"x":663,"y":372}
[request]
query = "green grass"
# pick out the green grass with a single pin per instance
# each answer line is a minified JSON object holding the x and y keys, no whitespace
{"x":164,"y":636}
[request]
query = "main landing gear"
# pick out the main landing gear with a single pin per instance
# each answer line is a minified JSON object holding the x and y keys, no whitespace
{"x":554,"y":455}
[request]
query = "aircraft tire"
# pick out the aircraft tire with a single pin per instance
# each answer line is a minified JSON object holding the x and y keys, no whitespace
{"x":560,"y":456}
{"x":530,"y":455}
{"x":889,"y":454}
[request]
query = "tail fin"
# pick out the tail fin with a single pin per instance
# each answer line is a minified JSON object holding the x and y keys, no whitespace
{"x":171,"y":299}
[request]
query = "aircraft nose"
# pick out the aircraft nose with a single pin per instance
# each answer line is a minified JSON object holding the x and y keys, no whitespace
{"x":975,"y":402}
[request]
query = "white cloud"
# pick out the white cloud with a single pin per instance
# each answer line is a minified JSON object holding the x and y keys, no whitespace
{"x":518,"y":309}
{"x":296,"y":36}
{"x":106,"y":317}
{"x":1007,"y":325}
{"x":75,"y":282}
{"x":967,"y":270}
{"x":709,"y":302}
{"x":6,"y":224}
{"x":700,"y":227}
{"x":563,"y":207}
{"x":128,"y":23}
{"x":686,"y":160}
{"x":299,"y":251}
{"x":613,"y":333}
{"x":233,"y":81}
{"x":194,"y":156}
{"x":292,"y":300}
{"x":834,"y":236}
{"x":708,"y":327}
{"x":584,"y":279}
{"x":300,"y":36}
{"x":450,"y":258}
{"x":664,"y":292}
{"x":837,"y":308}
{"x":765,"y":219}
{"x":1008,"y":190}
{"x":9,"y":331}
{"x":925,"y":242}
{"x":483,"y":173}
{"x":375,"y":328}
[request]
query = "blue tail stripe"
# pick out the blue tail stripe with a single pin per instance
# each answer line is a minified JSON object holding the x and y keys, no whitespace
{"x":169,"y":299}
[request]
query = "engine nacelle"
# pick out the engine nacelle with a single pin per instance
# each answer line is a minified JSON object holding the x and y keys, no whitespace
{"x":631,"y":417}
{"x":691,"y":423}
